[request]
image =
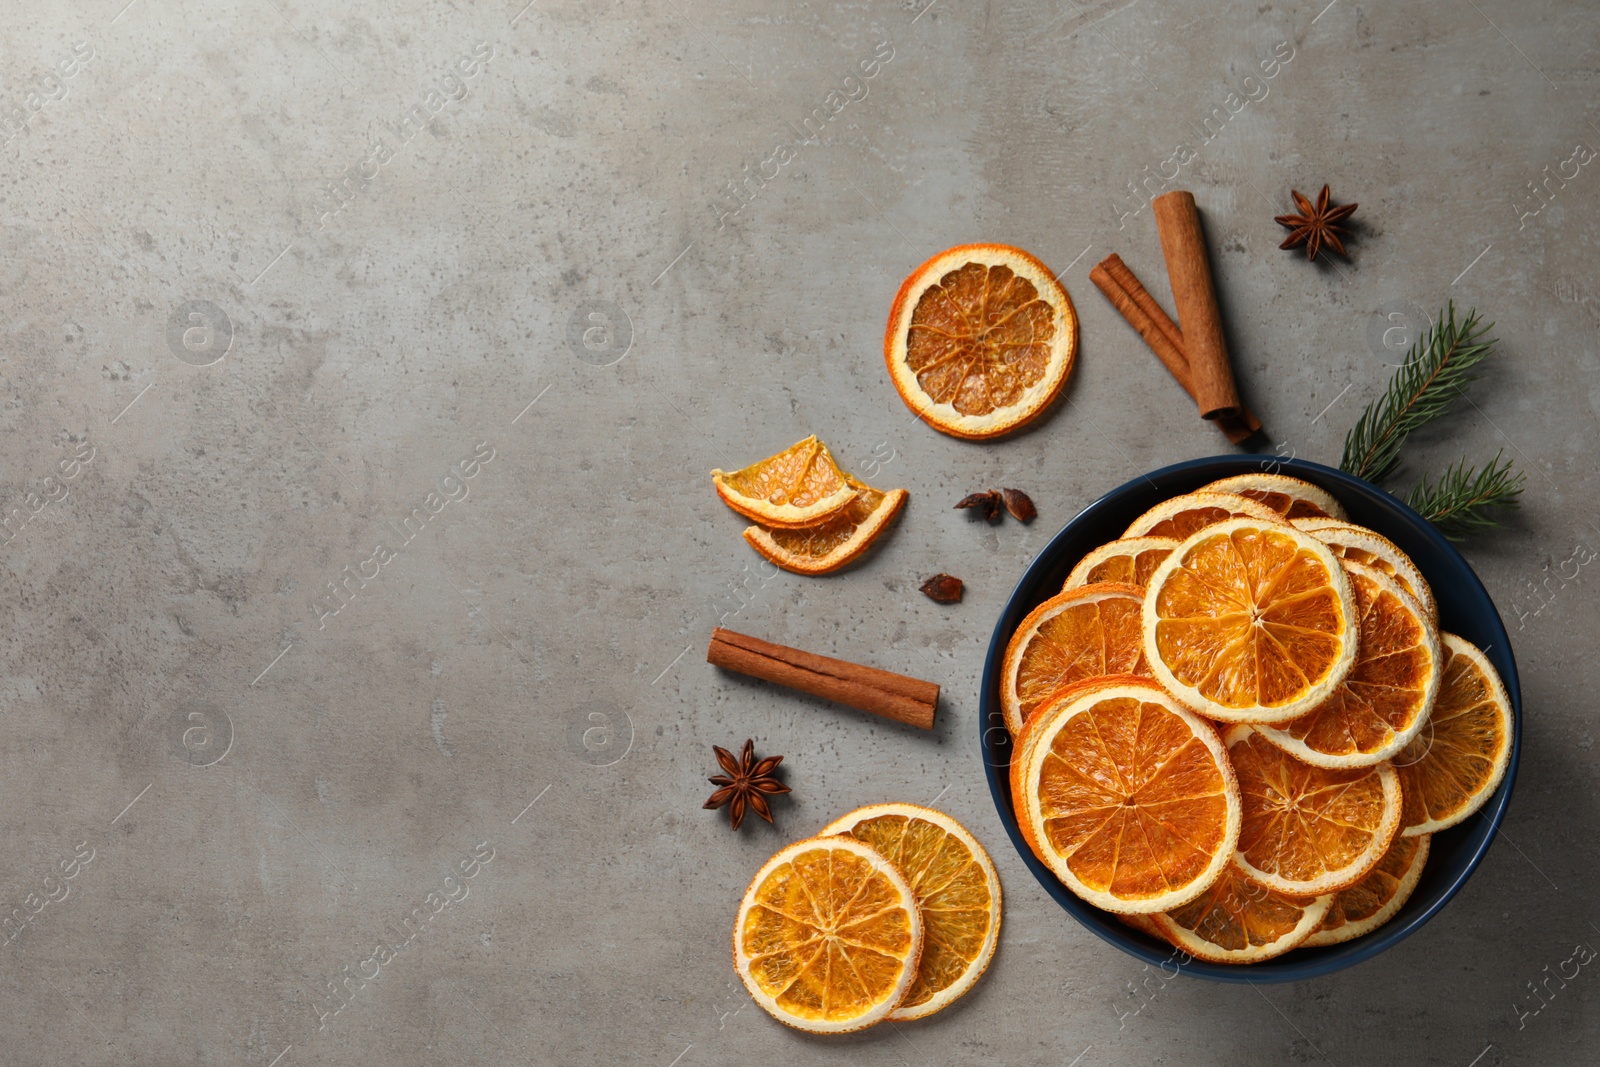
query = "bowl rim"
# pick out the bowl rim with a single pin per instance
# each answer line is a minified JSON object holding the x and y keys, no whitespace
{"x":1286,"y":968}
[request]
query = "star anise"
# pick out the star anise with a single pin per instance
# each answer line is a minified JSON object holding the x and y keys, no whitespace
{"x":747,"y":783}
{"x":1020,"y":505}
{"x":987,"y":503}
{"x":1315,"y":225}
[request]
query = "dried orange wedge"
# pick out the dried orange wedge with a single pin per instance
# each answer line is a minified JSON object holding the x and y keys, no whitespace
{"x":1375,"y":899}
{"x":1308,"y":830}
{"x":797,"y":487}
{"x":1383,"y":703}
{"x":1126,"y":795}
{"x":1185,"y":515}
{"x":1250,"y":620}
{"x":1131,"y":561}
{"x":1361,"y":545}
{"x":956,"y":887}
{"x":1239,"y":920}
{"x":1293,"y":498}
{"x":835,"y":541}
{"x":980,"y":340}
{"x":1082,"y":633}
{"x":828,"y":936}
{"x":1455,"y":764}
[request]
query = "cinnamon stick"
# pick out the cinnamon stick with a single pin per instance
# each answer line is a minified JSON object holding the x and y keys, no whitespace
{"x":1183,"y":243}
{"x":1120,"y":286}
{"x":1139,"y":308}
{"x":894,"y":696}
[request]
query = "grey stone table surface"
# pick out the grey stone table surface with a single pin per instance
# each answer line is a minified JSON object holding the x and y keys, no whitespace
{"x":494,"y":285}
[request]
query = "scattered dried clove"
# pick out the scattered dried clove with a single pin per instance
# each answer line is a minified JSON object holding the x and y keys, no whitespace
{"x":944,"y":588}
{"x":1019,"y":504}
{"x":988,"y":504}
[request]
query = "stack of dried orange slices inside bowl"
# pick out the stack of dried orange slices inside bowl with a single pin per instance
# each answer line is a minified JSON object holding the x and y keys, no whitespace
{"x":1236,"y":727}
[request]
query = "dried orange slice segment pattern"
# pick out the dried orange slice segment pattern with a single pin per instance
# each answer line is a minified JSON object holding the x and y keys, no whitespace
{"x":1083,"y":633}
{"x":980,"y":340}
{"x":833,"y":542}
{"x":1383,"y":703}
{"x":1375,"y":899}
{"x":1182,"y":516}
{"x":797,"y":487}
{"x":1130,"y":561}
{"x":1293,"y":498}
{"x":1250,"y":621}
{"x":1309,"y":830}
{"x":1455,"y":764}
{"x":1127,"y":796}
{"x":1361,"y":545}
{"x":1239,"y":920}
{"x":957,"y":890}
{"x":828,"y":936}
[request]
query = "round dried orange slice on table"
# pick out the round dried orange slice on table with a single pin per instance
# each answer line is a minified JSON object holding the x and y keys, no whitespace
{"x":1361,"y":545}
{"x":1384,"y":701}
{"x":956,"y":887}
{"x":833,"y":542}
{"x":1309,"y":830}
{"x":1239,"y":920}
{"x":1081,"y":633}
{"x":828,"y":936}
{"x":1188,"y":514}
{"x":1455,"y":764}
{"x":1375,"y":899}
{"x":1250,"y":620}
{"x":799,"y":486}
{"x":980,"y":340}
{"x":1293,"y":498}
{"x":1130,"y":561}
{"x":1127,"y":796}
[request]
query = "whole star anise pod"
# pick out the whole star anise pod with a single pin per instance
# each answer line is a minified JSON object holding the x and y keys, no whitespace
{"x":1316,"y":225}
{"x":747,"y":783}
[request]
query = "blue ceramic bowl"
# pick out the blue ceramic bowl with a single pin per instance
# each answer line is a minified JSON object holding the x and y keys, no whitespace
{"x":1464,"y":608}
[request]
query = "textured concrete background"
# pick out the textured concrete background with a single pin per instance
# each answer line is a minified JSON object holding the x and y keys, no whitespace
{"x":252,"y":319}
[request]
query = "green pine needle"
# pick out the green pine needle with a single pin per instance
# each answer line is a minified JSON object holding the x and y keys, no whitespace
{"x":1465,"y":498}
{"x":1437,"y":368}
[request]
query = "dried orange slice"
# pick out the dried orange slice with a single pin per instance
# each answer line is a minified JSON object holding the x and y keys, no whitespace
{"x":1250,"y":620}
{"x":956,"y":887}
{"x":1082,"y":633}
{"x":1184,"y":515}
{"x":835,"y":541}
{"x":1357,"y":543}
{"x":1309,"y":830}
{"x":1145,"y":924}
{"x":1239,"y":920}
{"x":1375,"y":899}
{"x":1127,"y":796}
{"x":1292,"y":498}
{"x":1130,"y":561}
{"x":797,"y":487}
{"x":1455,"y":764}
{"x":828,"y":936}
{"x":980,"y":340}
{"x":1383,"y":702}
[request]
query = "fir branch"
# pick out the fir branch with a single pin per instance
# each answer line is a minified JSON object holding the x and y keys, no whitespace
{"x":1437,"y":369}
{"x":1464,"y":498}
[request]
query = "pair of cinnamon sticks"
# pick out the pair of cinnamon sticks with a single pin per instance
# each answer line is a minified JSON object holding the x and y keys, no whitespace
{"x":1197,"y":355}
{"x":894,"y":696}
